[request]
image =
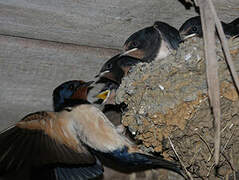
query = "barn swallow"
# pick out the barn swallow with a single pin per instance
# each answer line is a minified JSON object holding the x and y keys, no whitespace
{"x":117,"y":67}
{"x":69,"y":92}
{"x":193,"y":27}
{"x":95,"y":130}
{"x":231,"y":29}
{"x":51,"y":139}
{"x":72,"y":139}
{"x":108,"y":92}
{"x":111,"y":109}
{"x":111,"y":75}
{"x":152,"y":43}
{"x":235,"y":22}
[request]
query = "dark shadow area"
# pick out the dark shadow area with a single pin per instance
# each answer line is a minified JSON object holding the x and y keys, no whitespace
{"x":187,"y":5}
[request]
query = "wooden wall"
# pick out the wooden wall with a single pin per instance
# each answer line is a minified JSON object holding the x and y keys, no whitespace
{"x":46,"y":42}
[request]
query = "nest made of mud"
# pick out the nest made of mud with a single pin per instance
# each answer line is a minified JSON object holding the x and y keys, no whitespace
{"x":168,"y":98}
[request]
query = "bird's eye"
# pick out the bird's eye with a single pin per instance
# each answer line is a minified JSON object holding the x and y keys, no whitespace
{"x":71,"y":87}
{"x":109,"y":66}
{"x":134,"y":44}
{"x":194,"y":29}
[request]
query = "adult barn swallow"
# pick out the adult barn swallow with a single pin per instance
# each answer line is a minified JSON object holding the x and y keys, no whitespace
{"x":193,"y":27}
{"x":72,"y":139}
{"x":51,"y":139}
{"x":101,"y":136}
{"x":68,"y":92}
{"x":152,"y":43}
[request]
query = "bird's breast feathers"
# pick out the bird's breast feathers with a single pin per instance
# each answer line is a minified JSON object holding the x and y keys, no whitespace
{"x":94,"y":129}
{"x":84,"y":124}
{"x":163,"y":50}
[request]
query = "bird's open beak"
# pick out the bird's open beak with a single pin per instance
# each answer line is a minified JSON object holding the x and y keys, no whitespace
{"x":129,"y":51}
{"x":104,"y":95}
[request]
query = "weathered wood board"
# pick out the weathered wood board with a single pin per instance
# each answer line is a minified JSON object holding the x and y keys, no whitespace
{"x":101,"y":23}
{"x":31,"y":69}
{"x":32,"y":66}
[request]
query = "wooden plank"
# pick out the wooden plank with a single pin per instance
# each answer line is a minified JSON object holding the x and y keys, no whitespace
{"x":31,"y":69}
{"x":102,"y":23}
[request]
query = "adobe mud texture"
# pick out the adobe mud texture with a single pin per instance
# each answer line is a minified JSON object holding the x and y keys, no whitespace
{"x":168,"y":98}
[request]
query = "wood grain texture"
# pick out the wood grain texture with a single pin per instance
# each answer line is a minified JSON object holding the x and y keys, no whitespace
{"x":101,"y":23}
{"x":31,"y":69}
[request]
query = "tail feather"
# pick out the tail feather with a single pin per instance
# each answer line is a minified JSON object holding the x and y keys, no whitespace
{"x":158,"y":162}
{"x":142,"y":161}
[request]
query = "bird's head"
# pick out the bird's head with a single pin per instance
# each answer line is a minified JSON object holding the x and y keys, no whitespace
{"x":192,"y":27}
{"x":143,"y":43}
{"x":70,"y":90}
{"x":108,"y":92}
{"x":117,"y":67}
{"x":112,"y":72}
{"x":108,"y":68}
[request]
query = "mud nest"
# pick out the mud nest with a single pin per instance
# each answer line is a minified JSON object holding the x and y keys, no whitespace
{"x":168,"y":98}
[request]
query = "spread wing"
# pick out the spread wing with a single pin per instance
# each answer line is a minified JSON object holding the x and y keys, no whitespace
{"x":44,"y":138}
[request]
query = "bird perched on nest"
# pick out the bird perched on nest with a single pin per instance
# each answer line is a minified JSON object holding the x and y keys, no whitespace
{"x":152,"y":43}
{"x":111,"y":75}
{"x":193,"y":27}
{"x":117,"y":67}
{"x":111,"y":109}
{"x":71,"y":140}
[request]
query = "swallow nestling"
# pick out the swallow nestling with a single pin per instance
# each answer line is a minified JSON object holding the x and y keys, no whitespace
{"x":108,"y":92}
{"x":71,"y":140}
{"x":152,"y":43}
{"x":50,"y":139}
{"x":235,"y":22}
{"x":193,"y":27}
{"x":111,"y":109}
{"x":231,"y":29}
{"x":111,"y":75}
{"x":103,"y":139}
{"x":117,"y":67}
